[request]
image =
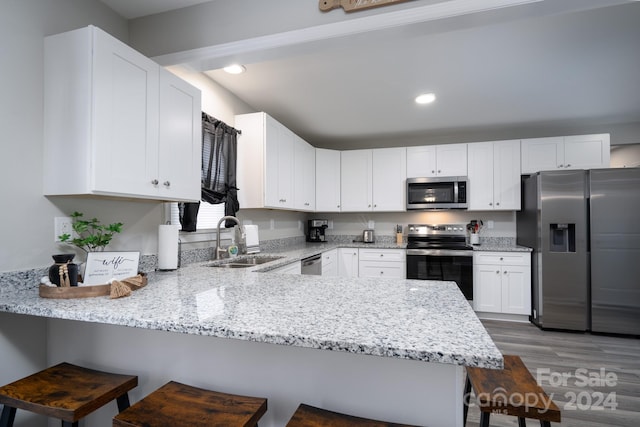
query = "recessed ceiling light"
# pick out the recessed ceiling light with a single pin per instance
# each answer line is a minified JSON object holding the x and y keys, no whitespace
{"x":425,"y":98}
{"x":235,"y":69}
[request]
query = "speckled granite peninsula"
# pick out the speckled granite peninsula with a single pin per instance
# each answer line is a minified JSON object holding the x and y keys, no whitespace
{"x":406,"y":322}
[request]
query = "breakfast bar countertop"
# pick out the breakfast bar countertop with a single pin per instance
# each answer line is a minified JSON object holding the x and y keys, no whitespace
{"x":426,"y":321}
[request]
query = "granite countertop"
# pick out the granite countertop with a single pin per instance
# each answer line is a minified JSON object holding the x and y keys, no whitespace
{"x":410,"y":319}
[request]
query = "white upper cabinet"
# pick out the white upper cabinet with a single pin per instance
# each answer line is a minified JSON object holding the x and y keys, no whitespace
{"x":437,"y":160}
{"x":373,"y":180}
{"x":304,"y":176}
{"x":356,"y":185}
{"x":389,"y":178}
{"x":103,"y":133}
{"x":568,"y":152}
{"x":180,"y":139}
{"x":276,"y":168}
{"x":327,"y":180}
{"x":494,"y":175}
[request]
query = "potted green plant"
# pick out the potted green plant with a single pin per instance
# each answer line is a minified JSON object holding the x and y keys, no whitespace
{"x":90,"y":235}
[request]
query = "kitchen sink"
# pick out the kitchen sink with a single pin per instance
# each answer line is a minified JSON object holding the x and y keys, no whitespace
{"x":244,"y":262}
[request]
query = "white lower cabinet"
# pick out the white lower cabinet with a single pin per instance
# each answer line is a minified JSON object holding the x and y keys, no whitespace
{"x":389,"y":263}
{"x":293,"y":268}
{"x":330,"y":263}
{"x":347,"y":262}
{"x":502,"y":282}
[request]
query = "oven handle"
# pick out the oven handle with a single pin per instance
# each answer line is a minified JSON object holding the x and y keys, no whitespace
{"x":440,"y":252}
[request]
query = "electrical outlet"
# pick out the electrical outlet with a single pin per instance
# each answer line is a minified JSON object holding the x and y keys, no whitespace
{"x":490,"y":224}
{"x":372,"y":224}
{"x":62,"y":225}
{"x":330,"y":225}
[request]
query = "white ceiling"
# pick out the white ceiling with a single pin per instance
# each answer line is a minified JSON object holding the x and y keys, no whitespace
{"x":579,"y":67}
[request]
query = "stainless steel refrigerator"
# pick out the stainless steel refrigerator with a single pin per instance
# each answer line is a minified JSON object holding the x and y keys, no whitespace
{"x":584,"y":227}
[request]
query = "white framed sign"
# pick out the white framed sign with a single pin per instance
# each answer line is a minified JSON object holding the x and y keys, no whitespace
{"x":104,"y":266}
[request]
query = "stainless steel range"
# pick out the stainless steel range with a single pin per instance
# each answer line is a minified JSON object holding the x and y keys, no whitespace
{"x":440,"y":252}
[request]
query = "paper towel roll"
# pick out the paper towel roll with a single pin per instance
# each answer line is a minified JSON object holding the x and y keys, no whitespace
{"x":167,"y":247}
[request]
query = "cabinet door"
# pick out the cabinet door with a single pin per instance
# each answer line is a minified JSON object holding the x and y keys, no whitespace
{"x":487,"y":288}
{"x":356,"y":186}
{"x":304,"y":181}
{"x":421,"y":161}
{"x":587,"y":151}
{"x":516,"y":290}
{"x":480,"y":176}
{"x":347,"y":262}
{"x":542,"y":154}
{"x":506,"y":175}
{"x":330,"y":263}
{"x":179,"y":139}
{"x":278,"y":165}
{"x":451,"y":160}
{"x":125,"y":118}
{"x":327,"y":180}
{"x":389,"y":177}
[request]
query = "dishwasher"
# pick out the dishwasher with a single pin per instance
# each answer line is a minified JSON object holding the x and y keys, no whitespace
{"x":312,"y":265}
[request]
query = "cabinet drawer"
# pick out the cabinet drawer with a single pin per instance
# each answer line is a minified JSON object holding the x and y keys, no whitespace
{"x":391,"y":270}
{"x":502,"y":258}
{"x":382,"y":255}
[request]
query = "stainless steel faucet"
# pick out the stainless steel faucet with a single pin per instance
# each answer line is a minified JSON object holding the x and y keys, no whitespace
{"x":218,"y":248}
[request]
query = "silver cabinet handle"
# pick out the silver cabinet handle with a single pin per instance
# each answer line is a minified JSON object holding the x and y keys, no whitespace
{"x":381,"y":255}
{"x":154,"y":182}
{"x":560,"y":166}
{"x":166,"y":184}
{"x":439,"y":171}
{"x":497,"y":203}
{"x":501,"y":259}
{"x":568,"y":166}
{"x":490,"y":203}
{"x":433,"y":171}
{"x":497,"y":272}
{"x":505,"y":272}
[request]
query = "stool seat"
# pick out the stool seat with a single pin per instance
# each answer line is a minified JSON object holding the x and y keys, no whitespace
{"x":66,"y":392}
{"x":510,"y":391}
{"x":175,"y":404}
{"x":310,"y":416}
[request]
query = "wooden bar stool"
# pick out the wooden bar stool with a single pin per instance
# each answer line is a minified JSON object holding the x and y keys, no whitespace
{"x":310,"y":416}
{"x":65,"y":391}
{"x":511,"y":391}
{"x":175,"y":405}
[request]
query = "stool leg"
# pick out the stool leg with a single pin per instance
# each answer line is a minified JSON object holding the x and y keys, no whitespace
{"x":545,"y":423}
{"x":123,"y":402}
{"x":69,"y":424}
{"x":522,"y":422}
{"x":7,"y":417}
{"x":465,"y":399}
{"x":484,"y":419}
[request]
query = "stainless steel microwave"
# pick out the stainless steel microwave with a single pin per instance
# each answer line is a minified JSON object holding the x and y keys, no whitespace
{"x":437,"y":193}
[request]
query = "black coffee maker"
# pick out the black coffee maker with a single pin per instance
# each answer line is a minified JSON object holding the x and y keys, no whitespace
{"x":315,"y":230}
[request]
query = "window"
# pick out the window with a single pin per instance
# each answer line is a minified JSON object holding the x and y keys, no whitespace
{"x":208,"y":215}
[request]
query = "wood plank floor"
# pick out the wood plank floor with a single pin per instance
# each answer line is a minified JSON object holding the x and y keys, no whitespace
{"x":552,"y":353}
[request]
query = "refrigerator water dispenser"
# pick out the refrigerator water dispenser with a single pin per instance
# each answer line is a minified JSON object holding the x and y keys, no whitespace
{"x":562,"y":238}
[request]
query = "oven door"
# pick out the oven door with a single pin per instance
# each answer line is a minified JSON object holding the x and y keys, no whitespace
{"x":442,"y":264}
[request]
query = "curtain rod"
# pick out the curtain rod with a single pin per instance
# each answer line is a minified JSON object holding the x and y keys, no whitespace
{"x":210,"y":119}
